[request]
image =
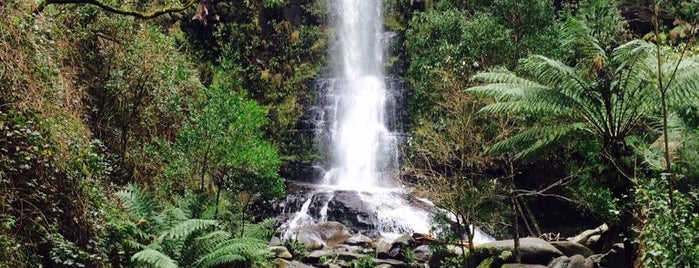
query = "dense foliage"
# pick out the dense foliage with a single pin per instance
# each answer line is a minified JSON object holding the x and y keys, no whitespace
{"x":94,"y":99}
{"x":152,"y":133}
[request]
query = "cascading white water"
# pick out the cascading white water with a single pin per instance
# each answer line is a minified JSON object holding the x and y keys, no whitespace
{"x":351,"y":122}
{"x":361,"y":144}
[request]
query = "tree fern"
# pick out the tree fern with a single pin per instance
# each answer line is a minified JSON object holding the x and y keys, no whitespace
{"x":533,"y":141}
{"x":263,"y":230}
{"x":139,"y":203}
{"x":187,"y":228}
{"x":235,"y":251}
{"x":607,"y":96}
{"x":153,"y":258}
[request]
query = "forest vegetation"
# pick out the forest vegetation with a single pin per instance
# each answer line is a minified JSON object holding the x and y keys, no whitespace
{"x":158,"y":133}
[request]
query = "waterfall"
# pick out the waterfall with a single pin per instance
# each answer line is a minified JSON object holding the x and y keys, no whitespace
{"x":357,"y":127}
{"x":361,"y":147}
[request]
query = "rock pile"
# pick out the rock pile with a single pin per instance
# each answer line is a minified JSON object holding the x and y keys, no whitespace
{"x":332,"y":245}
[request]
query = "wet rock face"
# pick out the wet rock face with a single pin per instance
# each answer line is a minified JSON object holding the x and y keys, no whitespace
{"x":322,"y":235}
{"x":533,"y":250}
{"x":347,"y":207}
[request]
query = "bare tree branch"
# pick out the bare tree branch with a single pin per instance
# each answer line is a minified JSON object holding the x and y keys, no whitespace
{"x":141,"y":15}
{"x":544,"y":191}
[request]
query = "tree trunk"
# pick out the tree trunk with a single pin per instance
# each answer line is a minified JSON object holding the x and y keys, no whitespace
{"x":203,"y":168}
{"x":515,"y":225}
{"x":469,"y":234}
{"x":218,"y":196}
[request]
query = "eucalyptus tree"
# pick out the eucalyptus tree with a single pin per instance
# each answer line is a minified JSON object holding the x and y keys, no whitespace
{"x":604,"y":96}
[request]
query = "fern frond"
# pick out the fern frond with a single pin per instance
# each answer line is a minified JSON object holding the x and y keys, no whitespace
{"x":505,"y":91}
{"x":534,"y":140}
{"x":556,"y":75}
{"x":263,"y":230}
{"x":503,"y":76}
{"x":153,"y":258}
{"x":235,"y":251}
{"x":684,"y":88}
{"x":207,"y":243}
{"x":139,"y":203}
{"x":170,"y":217}
{"x":216,"y":259}
{"x":576,"y":36}
{"x":188,"y":228}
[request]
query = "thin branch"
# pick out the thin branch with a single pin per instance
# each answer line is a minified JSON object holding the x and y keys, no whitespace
{"x":543,"y":191}
{"x":141,"y":15}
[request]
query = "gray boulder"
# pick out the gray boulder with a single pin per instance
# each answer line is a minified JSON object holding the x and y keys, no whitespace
{"x":275,"y":241}
{"x":392,"y":263}
{"x":282,"y":263}
{"x":578,"y":261}
{"x":560,"y":262}
{"x":522,"y":265}
{"x":281,"y":252}
{"x":533,"y":250}
{"x":393,"y":248}
{"x":349,"y":208}
{"x":358,"y":240}
{"x":422,"y":253}
{"x":326,"y":234}
{"x":339,"y":255}
{"x":616,"y":257}
{"x":570,"y":248}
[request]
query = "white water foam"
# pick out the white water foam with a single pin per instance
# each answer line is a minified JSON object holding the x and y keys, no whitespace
{"x":352,"y":123}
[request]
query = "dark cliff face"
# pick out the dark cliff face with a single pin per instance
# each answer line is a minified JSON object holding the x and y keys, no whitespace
{"x":641,"y":18}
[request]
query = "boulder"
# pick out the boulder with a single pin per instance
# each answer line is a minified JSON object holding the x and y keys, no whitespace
{"x":393,"y":248}
{"x":275,"y":241}
{"x":578,"y":261}
{"x":348,"y":207}
{"x":382,"y":246}
{"x":282,"y":263}
{"x":281,"y":252}
{"x":616,"y":257}
{"x":358,"y":240}
{"x":522,"y":265}
{"x":326,"y":234}
{"x":422,"y":253}
{"x":423,"y":239}
{"x":405,"y":240}
{"x":350,"y":248}
{"x":316,"y":255}
{"x":533,"y":250}
{"x":570,"y":248}
{"x":560,"y":262}
{"x":392,"y":263}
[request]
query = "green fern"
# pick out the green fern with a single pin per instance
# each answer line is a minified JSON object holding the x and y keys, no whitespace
{"x":154,"y":259}
{"x":605,"y":96}
{"x":138,"y":203}
{"x":187,"y":228}
{"x":235,"y":251}
{"x":263,"y":230}
{"x":177,"y":240}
